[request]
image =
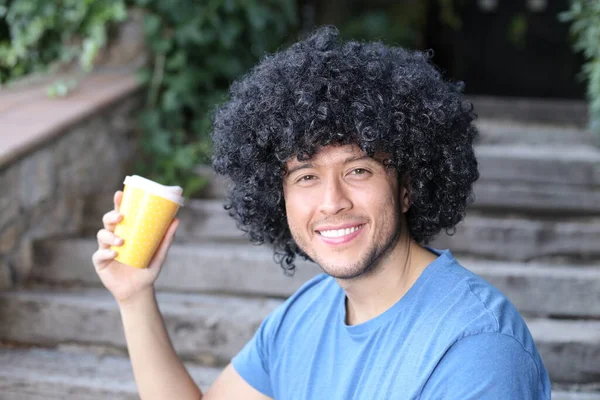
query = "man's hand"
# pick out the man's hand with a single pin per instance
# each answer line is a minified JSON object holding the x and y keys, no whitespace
{"x":123,"y":281}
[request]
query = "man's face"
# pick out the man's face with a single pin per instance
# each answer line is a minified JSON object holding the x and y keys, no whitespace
{"x":343,"y":209}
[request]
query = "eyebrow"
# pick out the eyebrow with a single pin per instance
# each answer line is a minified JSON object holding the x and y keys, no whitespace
{"x":310,"y":165}
{"x":299,"y":167}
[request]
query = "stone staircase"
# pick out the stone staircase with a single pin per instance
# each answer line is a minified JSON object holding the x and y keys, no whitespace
{"x":534,"y":232}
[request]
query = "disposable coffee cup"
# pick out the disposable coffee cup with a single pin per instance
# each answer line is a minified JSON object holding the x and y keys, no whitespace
{"x":148,"y":209}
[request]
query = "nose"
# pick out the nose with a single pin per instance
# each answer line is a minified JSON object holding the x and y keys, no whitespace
{"x":335,"y":198}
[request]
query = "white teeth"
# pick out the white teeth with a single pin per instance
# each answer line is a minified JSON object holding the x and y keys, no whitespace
{"x":339,"y":232}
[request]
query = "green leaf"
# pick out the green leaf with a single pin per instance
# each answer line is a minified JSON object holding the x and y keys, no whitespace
{"x":230,"y":6}
{"x":161,"y":45}
{"x":152,"y":25}
{"x":177,"y":61}
{"x":144,"y":75}
{"x":185,"y":157}
{"x":229,"y":33}
{"x":90,"y":51}
{"x":194,"y":185}
{"x":256,"y":15}
{"x":171,"y":101}
{"x":159,"y":142}
{"x":150,"y":119}
{"x":204,"y":45}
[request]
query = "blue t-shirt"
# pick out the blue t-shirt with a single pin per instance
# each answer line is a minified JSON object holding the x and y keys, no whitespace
{"x":451,"y":336}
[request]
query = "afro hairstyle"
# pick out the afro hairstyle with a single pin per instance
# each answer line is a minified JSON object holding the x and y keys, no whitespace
{"x":324,"y":91}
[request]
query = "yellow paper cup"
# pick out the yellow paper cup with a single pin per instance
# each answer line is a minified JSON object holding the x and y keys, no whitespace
{"x":148,"y":209}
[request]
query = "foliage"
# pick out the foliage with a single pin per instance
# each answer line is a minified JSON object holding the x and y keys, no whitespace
{"x":197,"y":49}
{"x":517,"y":30}
{"x":584,"y":16}
{"x":399,"y":28}
{"x":41,"y":33}
{"x":399,"y":23}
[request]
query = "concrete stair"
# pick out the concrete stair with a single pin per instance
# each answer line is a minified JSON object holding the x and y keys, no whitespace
{"x":539,"y":178}
{"x":534,"y":233}
{"x":535,"y":288}
{"x":212,"y":328}
{"x":207,"y":328}
{"x":43,"y":374}
{"x":539,"y":291}
{"x":573,"y":395}
{"x":511,"y":131}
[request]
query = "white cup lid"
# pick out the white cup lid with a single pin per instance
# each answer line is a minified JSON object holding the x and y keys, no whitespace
{"x":172,"y":193}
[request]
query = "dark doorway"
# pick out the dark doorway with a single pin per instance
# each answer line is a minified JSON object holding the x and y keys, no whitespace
{"x":507,"y":48}
{"x":515,"y":48}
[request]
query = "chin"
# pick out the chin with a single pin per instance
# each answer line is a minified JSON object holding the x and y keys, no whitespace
{"x":344,"y":270}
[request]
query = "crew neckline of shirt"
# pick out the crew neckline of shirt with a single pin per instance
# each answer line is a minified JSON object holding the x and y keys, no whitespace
{"x":444,"y":258}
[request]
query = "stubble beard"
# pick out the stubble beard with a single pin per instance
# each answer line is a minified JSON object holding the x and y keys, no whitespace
{"x":373,"y":258}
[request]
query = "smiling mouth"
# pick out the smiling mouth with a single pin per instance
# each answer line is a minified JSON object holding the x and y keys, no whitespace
{"x":338,"y":233}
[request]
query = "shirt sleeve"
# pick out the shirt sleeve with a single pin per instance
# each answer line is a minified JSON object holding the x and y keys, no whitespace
{"x":486,"y":366}
{"x":252,"y":362}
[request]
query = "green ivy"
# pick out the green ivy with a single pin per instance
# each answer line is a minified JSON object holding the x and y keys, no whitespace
{"x":197,"y":48}
{"x":36,"y":34}
{"x":584,"y":16}
{"x":398,"y":23}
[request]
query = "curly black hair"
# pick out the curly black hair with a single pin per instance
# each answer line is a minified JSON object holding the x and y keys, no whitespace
{"x":323,"y":91}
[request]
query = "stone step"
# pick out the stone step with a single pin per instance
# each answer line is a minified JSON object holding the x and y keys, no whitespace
{"x":42,"y":374}
{"x":543,"y":178}
{"x":547,"y":199}
{"x":206,"y":328}
{"x":517,"y":238}
{"x":509,"y":132}
{"x":204,"y":267}
{"x":532,"y":110}
{"x":504,"y":237}
{"x":575,"y":165}
{"x":561,"y":395}
{"x":36,"y":374}
{"x":570,"y":348}
{"x":534,"y":288}
{"x":214,"y":328}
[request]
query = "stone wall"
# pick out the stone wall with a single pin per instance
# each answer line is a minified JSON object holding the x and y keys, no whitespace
{"x":46,"y":192}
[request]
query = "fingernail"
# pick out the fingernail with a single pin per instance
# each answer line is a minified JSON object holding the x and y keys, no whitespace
{"x":118,"y":241}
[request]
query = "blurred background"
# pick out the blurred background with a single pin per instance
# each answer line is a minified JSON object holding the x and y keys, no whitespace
{"x":194,"y":49}
{"x":91,"y":91}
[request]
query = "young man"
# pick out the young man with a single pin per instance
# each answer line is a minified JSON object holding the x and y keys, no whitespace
{"x":353,"y":155}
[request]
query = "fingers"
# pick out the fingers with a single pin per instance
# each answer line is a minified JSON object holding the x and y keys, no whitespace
{"x":107,"y":238}
{"x":165,"y":244}
{"x":117,"y":200}
{"x":111,"y":219}
{"x":102,"y":258}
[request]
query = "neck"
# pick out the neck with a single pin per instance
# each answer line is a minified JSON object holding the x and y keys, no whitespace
{"x":372,"y":294}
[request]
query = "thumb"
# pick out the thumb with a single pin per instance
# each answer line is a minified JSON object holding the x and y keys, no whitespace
{"x":165,"y":244}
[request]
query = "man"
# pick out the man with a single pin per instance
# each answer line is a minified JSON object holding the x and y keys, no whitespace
{"x":353,"y":155}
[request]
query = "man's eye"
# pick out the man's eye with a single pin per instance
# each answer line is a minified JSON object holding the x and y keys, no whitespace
{"x":359,"y":171}
{"x":306,"y":178}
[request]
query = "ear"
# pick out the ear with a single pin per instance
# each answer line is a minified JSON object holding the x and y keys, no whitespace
{"x":405,"y":194}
